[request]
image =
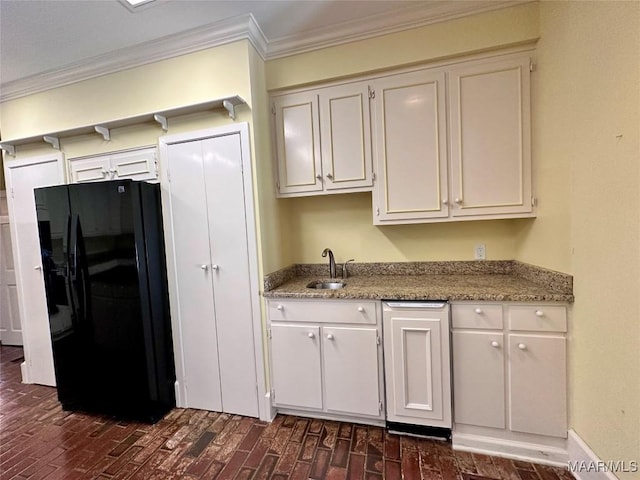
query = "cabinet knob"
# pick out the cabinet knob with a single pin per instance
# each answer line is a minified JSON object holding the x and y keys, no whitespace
{"x":522,"y":346}
{"x":319,"y":177}
{"x":280,"y":307}
{"x":458,"y":201}
{"x":204,"y":267}
{"x":478,"y":311}
{"x":361,"y":309}
{"x":215,"y":267}
{"x":495,"y":344}
{"x":330,"y":336}
{"x":38,"y":267}
{"x":311,"y":335}
{"x":330,"y":176}
{"x":539,"y":313}
{"x":445,"y":201}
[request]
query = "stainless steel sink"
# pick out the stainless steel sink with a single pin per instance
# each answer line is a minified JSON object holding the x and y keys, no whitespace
{"x":320,"y":285}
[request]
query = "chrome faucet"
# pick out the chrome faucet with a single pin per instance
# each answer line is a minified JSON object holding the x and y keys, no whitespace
{"x":332,"y":262}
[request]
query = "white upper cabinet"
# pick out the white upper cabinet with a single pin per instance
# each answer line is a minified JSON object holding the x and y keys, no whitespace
{"x":447,"y":142}
{"x":138,"y":164}
{"x":484,"y":171}
{"x":345,"y":137}
{"x":322,"y":140}
{"x":490,"y":137}
{"x":297,"y":141}
{"x":410,"y":147}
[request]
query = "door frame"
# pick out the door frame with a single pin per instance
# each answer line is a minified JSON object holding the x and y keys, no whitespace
{"x":57,"y":157}
{"x":264,"y":406}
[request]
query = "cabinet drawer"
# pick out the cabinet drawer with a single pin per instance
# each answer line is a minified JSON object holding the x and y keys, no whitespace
{"x":323,"y":311}
{"x":477,"y":315}
{"x":540,"y":318}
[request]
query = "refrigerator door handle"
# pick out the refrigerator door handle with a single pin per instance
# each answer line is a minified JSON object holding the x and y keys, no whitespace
{"x":73,"y":269}
{"x":81,"y":263}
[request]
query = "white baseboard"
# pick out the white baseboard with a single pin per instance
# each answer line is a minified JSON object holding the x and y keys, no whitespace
{"x":528,"y":452}
{"x":580,"y":454}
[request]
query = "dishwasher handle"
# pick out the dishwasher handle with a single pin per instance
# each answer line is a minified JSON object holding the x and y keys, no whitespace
{"x":420,"y":305}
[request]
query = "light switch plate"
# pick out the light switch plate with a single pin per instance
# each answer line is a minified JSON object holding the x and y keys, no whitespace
{"x":480,"y":252}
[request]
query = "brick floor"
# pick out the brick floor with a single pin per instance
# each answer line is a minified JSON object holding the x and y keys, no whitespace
{"x":38,"y":440}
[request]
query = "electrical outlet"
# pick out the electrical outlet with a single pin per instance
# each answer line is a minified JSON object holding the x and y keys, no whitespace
{"x":480,"y":252}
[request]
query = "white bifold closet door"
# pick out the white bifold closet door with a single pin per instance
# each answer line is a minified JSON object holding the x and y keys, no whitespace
{"x":212,"y":275}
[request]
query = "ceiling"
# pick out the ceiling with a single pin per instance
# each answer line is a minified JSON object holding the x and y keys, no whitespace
{"x":39,"y":38}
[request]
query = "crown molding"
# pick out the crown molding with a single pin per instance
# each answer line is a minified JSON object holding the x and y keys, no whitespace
{"x":382,"y":24}
{"x":245,"y":27}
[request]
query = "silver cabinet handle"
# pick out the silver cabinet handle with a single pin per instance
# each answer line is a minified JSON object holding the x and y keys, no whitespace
{"x":311,"y":335}
{"x":38,"y":267}
{"x":522,"y":346}
{"x":280,"y":307}
{"x":215,"y":267}
{"x":330,"y":337}
{"x":495,"y":344}
{"x":204,"y":267}
{"x":458,"y":201}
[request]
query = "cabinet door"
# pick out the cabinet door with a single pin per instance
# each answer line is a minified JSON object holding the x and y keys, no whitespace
{"x":10,"y":328}
{"x":417,"y":372}
{"x":90,"y":169}
{"x":351,"y":370}
{"x":297,"y":143}
{"x":345,"y":136}
{"x":538,"y":383}
{"x":478,"y":378}
{"x":22,"y":177}
{"x":490,"y":137}
{"x":295,"y":365}
{"x":410,"y":148}
{"x":136,"y":165}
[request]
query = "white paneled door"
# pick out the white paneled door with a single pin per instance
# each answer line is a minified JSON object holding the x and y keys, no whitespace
{"x":212,"y":260}
{"x":22,"y":177}
{"x":10,"y":328}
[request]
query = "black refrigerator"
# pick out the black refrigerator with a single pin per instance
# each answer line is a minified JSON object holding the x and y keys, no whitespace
{"x":106,"y":284}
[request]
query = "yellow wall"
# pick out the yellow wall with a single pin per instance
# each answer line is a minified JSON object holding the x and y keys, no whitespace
{"x":344,"y":222}
{"x":185,"y":80}
{"x":587,"y":145}
{"x":274,"y":241}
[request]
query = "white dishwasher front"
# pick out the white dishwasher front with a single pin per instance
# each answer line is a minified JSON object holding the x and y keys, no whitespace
{"x":417,"y":367}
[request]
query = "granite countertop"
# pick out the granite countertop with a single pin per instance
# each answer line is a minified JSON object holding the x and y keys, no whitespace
{"x":492,"y":281}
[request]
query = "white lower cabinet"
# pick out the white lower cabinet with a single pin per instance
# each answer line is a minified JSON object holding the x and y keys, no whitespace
{"x":326,"y":358}
{"x":351,"y":369}
{"x":538,"y":384}
{"x":296,"y":365}
{"x":478,"y":380}
{"x":510,"y":380}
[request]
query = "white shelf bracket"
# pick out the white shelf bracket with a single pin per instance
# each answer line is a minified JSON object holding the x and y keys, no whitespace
{"x":10,"y":149}
{"x":162,"y":120}
{"x":104,"y":131}
{"x":53,"y":141}
{"x":231,"y":108}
